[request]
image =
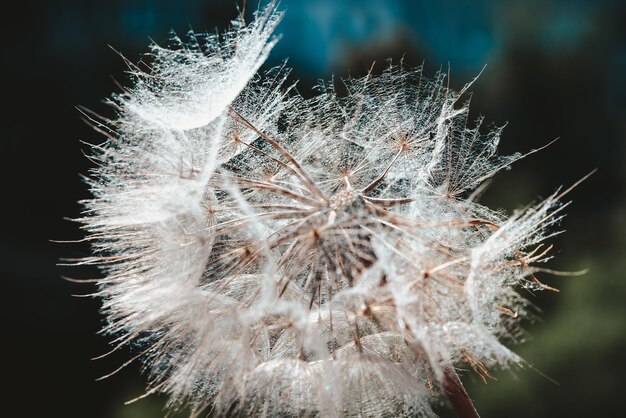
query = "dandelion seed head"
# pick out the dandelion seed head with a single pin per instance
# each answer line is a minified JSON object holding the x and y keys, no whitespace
{"x":275,"y":255}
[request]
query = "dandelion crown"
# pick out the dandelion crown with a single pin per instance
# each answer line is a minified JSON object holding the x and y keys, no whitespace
{"x":269,"y":255}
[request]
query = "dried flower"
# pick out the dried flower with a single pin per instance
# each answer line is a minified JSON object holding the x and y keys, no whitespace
{"x":276,"y":256}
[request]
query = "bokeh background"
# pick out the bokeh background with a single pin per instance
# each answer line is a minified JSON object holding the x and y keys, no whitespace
{"x":553,"y":69}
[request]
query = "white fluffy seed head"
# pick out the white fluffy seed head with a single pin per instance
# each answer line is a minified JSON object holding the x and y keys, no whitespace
{"x":273,"y":255}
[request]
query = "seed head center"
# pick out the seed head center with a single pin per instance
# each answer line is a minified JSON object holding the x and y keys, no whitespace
{"x":342,"y":200}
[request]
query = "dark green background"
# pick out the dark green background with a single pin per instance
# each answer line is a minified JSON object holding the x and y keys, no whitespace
{"x":554,"y":69}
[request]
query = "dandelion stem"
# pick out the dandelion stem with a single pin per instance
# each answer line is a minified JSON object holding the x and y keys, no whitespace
{"x":457,"y":395}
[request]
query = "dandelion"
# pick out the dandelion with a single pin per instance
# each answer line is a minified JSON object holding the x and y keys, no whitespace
{"x":269,"y":255}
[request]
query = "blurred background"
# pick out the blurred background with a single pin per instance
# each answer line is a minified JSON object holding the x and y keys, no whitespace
{"x":553,"y":69}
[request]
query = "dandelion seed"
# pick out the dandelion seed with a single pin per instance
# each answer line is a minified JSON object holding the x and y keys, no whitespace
{"x":276,"y":256}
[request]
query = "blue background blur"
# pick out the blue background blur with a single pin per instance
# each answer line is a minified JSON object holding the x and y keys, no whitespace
{"x":554,"y":69}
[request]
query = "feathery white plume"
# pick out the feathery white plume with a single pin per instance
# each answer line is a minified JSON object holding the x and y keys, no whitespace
{"x":190,"y":84}
{"x":272,"y":255}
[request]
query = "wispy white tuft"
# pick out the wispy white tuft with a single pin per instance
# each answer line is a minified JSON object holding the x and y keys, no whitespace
{"x":189,"y":84}
{"x":267,"y":255}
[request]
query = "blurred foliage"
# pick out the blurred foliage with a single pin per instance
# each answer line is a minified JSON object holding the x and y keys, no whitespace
{"x":576,"y":354}
{"x":554,"y":69}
